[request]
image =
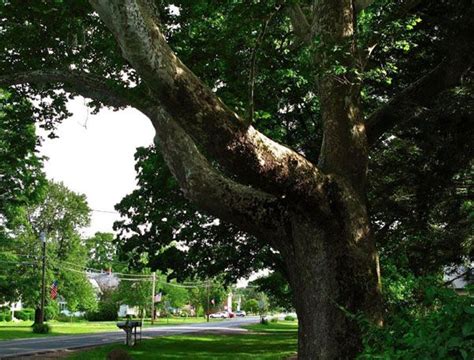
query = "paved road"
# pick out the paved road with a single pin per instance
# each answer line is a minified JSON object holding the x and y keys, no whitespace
{"x":21,"y":347}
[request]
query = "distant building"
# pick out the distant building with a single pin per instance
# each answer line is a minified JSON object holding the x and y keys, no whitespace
{"x":125,"y":310}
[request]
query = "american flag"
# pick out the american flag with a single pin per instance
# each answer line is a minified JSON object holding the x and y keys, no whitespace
{"x":54,"y":290}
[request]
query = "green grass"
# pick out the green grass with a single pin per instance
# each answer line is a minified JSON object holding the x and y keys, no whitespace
{"x":272,"y":341}
{"x":22,"y":329}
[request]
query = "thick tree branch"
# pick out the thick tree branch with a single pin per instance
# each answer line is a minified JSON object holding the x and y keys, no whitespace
{"x":220,"y":132}
{"x":344,"y":147}
{"x":254,"y":211}
{"x":300,"y":23}
{"x":81,"y":83}
{"x":417,"y":96}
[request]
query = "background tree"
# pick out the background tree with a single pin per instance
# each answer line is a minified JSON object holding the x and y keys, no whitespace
{"x":251,"y":306}
{"x":135,"y":293}
{"x":275,"y":286}
{"x":102,"y":251}
{"x":212,"y":247}
{"x":61,"y":214}
{"x":21,"y":178}
{"x":173,"y":294}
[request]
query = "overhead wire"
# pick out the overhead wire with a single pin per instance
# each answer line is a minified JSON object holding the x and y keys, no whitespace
{"x":87,"y":271}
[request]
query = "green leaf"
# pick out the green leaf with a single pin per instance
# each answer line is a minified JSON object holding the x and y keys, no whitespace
{"x":469,"y":310}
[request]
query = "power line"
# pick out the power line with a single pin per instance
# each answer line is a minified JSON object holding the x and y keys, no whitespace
{"x":101,"y":271}
{"x":105,"y":211}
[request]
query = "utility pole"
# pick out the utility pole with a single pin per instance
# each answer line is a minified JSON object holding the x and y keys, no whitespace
{"x":153,"y":289}
{"x":207,"y":288}
{"x":43,"y":276}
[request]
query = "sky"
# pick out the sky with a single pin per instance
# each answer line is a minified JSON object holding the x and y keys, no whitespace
{"x":94,"y":156}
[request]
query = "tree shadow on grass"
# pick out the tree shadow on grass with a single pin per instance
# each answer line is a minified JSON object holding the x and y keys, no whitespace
{"x":240,"y":346}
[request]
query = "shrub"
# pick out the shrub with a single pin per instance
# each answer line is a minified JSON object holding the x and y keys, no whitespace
{"x":251,"y":306}
{"x":274,"y":320}
{"x":107,"y":310}
{"x":6,"y":316}
{"x":21,"y":315}
{"x":289,"y":318}
{"x":41,"y":328}
{"x":51,"y":311}
{"x":65,"y":318}
{"x":264,"y":321}
{"x":438,"y":325}
{"x":25,"y":314}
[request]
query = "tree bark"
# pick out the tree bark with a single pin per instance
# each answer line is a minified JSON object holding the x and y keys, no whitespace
{"x":333,"y":270}
{"x":38,"y":316}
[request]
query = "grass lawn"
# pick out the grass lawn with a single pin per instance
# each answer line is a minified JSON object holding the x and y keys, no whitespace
{"x":22,"y":329}
{"x":272,"y":341}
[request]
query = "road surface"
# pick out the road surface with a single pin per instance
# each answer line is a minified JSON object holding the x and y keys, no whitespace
{"x":22,"y":347}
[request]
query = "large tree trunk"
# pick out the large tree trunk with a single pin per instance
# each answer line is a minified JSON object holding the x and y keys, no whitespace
{"x":333,"y":270}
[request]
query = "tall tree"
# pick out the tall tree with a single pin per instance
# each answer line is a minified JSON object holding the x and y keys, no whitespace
{"x":309,"y":205}
{"x":61,"y":213}
{"x":102,"y":251}
{"x":22,"y":180}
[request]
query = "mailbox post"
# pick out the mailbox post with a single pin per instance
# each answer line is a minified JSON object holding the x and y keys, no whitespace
{"x":130,"y":328}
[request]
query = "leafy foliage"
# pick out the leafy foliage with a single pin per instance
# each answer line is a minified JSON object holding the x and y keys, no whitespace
{"x":107,"y":308}
{"x":207,"y":245}
{"x":41,"y":328}
{"x":21,"y":177}
{"x":438,"y":325}
{"x":61,"y":213}
{"x":102,"y":251}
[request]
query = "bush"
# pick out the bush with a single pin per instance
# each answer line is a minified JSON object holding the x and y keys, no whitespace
{"x":435,"y":324}
{"x":41,"y":328}
{"x":251,"y":306}
{"x":25,"y":314}
{"x":51,"y":311}
{"x":289,"y":318}
{"x":107,"y":310}
{"x":274,"y":320}
{"x":6,"y":316}
{"x":65,"y":318}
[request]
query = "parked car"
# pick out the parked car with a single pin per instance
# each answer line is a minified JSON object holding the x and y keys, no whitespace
{"x":241,"y":313}
{"x":220,"y":315}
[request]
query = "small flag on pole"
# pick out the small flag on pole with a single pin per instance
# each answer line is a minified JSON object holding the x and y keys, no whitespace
{"x":158,"y":297}
{"x":54,"y":290}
